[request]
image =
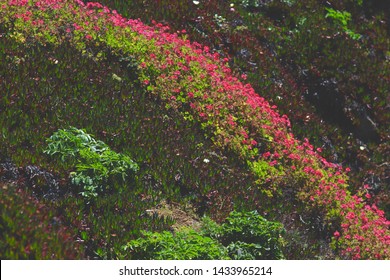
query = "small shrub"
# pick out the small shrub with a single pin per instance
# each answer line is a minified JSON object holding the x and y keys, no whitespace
{"x":243,"y":236}
{"x":248,"y":235}
{"x":342,"y":19}
{"x":185,"y":244}
{"x":97,"y":166}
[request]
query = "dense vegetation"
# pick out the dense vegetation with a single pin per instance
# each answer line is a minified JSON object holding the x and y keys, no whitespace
{"x":105,"y":120}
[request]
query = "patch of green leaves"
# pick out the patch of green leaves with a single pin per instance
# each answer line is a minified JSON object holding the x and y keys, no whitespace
{"x":243,"y":236}
{"x":186,"y":244}
{"x":97,"y":166}
{"x":342,"y":19}
{"x":248,"y":235}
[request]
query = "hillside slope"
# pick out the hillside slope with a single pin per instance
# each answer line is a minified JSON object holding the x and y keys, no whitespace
{"x":196,"y":88}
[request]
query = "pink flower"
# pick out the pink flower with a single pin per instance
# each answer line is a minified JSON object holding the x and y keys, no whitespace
{"x":266,"y":154}
{"x":336,"y":234}
{"x":76,"y":26}
{"x":359,"y":237}
{"x":273,"y":163}
{"x":350,"y":216}
{"x":244,"y":133}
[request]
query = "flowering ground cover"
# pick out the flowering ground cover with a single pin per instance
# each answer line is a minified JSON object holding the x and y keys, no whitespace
{"x":200,"y":90}
{"x":305,"y":49}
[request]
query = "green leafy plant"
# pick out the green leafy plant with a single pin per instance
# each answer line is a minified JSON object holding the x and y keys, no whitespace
{"x":243,"y":236}
{"x":185,"y":244}
{"x":97,"y":166}
{"x":342,"y":19}
{"x":247,"y":235}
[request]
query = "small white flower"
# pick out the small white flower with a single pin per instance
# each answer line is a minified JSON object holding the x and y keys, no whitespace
{"x":206,"y":160}
{"x":196,"y":2}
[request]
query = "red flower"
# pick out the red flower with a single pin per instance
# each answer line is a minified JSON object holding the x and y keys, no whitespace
{"x":76,"y":26}
{"x":266,"y":154}
{"x":350,"y":216}
{"x":336,"y":234}
{"x":209,"y":107}
{"x":272,"y":163}
{"x":244,"y":133}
